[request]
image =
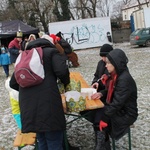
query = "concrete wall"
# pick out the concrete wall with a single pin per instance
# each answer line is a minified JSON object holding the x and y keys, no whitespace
{"x":121,"y":35}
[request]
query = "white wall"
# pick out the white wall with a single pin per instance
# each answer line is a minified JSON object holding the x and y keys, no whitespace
{"x":147,"y":17}
{"x":139,"y":21}
{"x":83,"y":33}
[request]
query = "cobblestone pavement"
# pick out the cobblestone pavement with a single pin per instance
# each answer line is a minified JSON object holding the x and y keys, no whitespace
{"x":80,"y":133}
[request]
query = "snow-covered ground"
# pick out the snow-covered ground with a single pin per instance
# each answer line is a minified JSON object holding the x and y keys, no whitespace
{"x":80,"y":133}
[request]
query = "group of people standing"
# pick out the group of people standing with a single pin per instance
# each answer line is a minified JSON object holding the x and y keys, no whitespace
{"x":16,"y":46}
{"x":19,"y":44}
{"x":41,"y":105}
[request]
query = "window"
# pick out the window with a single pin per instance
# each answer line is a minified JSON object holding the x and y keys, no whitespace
{"x":125,"y":17}
{"x":145,"y":32}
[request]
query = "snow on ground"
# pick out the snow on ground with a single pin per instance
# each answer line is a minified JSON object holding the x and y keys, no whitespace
{"x":80,"y":133}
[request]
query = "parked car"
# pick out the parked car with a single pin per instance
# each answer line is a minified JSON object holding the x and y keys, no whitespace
{"x":140,"y":37}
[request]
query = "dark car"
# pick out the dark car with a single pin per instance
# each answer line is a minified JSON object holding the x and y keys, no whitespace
{"x":140,"y":37}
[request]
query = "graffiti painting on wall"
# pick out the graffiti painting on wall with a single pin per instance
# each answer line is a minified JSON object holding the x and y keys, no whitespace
{"x":84,"y":33}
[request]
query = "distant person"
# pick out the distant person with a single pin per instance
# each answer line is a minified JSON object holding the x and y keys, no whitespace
{"x":23,"y":44}
{"x":40,"y":34}
{"x":14,"y":47}
{"x":5,"y":61}
{"x":41,"y":105}
{"x":72,"y":56}
{"x":66,"y":46}
{"x":120,"y":94}
{"x":32,"y":37}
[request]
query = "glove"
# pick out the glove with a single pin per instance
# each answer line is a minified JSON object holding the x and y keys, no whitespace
{"x":102,"y":125}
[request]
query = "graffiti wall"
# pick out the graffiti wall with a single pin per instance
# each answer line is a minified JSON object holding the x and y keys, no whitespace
{"x":84,"y":33}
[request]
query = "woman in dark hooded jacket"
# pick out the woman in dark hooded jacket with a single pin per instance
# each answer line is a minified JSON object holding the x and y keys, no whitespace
{"x":41,"y":105}
{"x":120,"y":109}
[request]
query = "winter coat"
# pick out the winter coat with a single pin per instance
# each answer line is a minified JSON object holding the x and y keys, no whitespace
{"x":65,"y":45}
{"x":13,"y":95}
{"x":13,"y":49}
{"x":100,"y":70}
{"x":122,"y":111}
{"x":4,"y":59}
{"x":41,"y":105}
{"x":94,"y":115}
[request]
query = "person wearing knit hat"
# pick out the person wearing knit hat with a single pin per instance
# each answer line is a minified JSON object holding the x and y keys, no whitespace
{"x":120,"y":106}
{"x":105,"y":49}
{"x":94,"y":116}
{"x":101,"y":69}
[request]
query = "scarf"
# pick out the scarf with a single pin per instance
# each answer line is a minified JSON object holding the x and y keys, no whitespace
{"x":109,"y":82}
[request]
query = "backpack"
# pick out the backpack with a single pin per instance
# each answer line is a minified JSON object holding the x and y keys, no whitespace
{"x":29,"y":70}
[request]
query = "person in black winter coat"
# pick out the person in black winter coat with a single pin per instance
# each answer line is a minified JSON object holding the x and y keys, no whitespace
{"x":94,"y":116}
{"x":120,"y":93}
{"x":41,"y":105}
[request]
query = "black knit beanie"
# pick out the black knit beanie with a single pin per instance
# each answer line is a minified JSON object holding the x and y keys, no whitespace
{"x":105,"y":49}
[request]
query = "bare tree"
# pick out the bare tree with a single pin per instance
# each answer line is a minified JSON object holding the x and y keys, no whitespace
{"x":83,"y":9}
{"x":3,"y":13}
{"x":139,"y":4}
{"x":35,"y":12}
{"x":147,"y":2}
{"x":41,"y":12}
{"x":91,"y":8}
{"x":117,"y":13}
{"x":61,"y":10}
{"x":126,"y":1}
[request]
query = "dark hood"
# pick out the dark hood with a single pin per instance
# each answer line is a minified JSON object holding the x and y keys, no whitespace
{"x":118,"y":59}
{"x":40,"y":42}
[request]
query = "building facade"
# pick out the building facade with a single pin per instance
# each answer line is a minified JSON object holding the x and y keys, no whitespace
{"x":128,"y":9}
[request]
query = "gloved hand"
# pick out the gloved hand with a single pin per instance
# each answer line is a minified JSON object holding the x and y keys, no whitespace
{"x":95,"y":85}
{"x":102,"y":125}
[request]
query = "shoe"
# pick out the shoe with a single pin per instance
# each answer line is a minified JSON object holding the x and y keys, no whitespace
{"x":73,"y":148}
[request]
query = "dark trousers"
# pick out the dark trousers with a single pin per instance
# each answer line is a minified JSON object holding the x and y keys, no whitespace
{"x":94,"y":116}
{"x":6,"y":69}
{"x":50,"y":140}
{"x":102,"y":137}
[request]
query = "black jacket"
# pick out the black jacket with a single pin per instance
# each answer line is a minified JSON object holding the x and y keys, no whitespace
{"x":65,"y":45}
{"x":41,"y":105}
{"x":122,"y":111}
{"x":100,"y":70}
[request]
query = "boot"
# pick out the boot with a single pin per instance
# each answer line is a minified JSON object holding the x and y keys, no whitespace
{"x":107,"y":142}
{"x":73,"y":148}
{"x":100,"y":140}
{"x":70,"y":147}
